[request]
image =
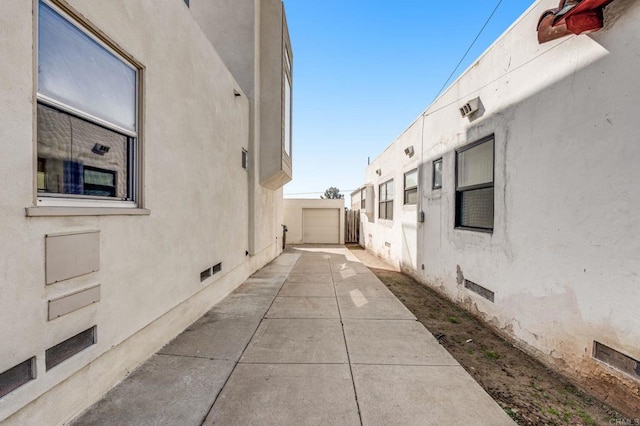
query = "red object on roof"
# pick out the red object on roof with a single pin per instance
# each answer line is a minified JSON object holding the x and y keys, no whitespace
{"x":571,"y":17}
{"x":585,"y":22}
{"x":584,"y":6}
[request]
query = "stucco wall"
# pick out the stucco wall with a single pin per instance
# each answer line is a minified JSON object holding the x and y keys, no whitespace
{"x":250,"y":44}
{"x":230,"y":26}
{"x":293,"y":215}
{"x":194,"y":186}
{"x":562,"y":257}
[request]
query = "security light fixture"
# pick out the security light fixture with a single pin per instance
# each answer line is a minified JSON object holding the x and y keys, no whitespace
{"x":470,"y":107}
{"x":378,"y":172}
{"x":100,"y":149}
{"x":409,"y":151}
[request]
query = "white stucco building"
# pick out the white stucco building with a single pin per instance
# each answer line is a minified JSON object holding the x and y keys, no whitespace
{"x":144,"y":147}
{"x":515,"y":195}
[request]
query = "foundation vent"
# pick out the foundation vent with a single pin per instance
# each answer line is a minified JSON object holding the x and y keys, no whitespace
{"x":209,"y":272}
{"x":478,"y":289}
{"x":65,"y":350}
{"x":387,"y":244}
{"x":205,"y":274}
{"x":17,"y":376}
{"x":616,"y":359}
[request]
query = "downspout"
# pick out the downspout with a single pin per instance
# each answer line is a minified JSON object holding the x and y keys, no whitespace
{"x":420,"y":212}
{"x":254,"y":131}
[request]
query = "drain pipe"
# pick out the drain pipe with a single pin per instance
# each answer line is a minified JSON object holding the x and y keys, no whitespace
{"x":254,"y":130}
{"x":420,"y":209}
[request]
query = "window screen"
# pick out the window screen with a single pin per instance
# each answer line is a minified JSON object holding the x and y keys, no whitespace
{"x":474,"y":188}
{"x":77,"y":71}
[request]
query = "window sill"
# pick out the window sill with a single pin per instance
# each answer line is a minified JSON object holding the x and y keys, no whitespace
{"x":85,"y":211}
{"x":468,"y":228}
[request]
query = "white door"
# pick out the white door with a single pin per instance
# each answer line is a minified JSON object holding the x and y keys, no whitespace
{"x":321,"y":226}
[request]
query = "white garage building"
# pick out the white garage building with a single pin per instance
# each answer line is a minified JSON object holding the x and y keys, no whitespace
{"x":312,"y":221}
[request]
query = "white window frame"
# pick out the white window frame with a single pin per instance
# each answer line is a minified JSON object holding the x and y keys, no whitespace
{"x":133,"y":179}
{"x":386,"y":200}
{"x":409,"y":189}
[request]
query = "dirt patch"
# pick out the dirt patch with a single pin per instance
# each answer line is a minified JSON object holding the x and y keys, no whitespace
{"x":528,"y":391}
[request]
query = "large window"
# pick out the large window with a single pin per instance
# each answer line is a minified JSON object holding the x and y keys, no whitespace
{"x":474,"y":185}
{"x":363,"y":198}
{"x":87,"y":116}
{"x":411,"y":187}
{"x":385,"y":208}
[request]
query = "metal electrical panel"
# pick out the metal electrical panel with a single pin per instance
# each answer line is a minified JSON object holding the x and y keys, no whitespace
{"x":71,"y":254}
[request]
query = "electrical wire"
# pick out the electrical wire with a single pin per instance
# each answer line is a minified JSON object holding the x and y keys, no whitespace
{"x":495,"y":9}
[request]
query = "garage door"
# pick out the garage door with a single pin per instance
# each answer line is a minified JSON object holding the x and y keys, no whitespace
{"x":321,"y":226}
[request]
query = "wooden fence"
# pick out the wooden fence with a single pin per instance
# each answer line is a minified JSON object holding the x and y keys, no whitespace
{"x":352,"y":226}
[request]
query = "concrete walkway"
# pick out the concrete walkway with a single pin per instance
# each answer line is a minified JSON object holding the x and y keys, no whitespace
{"x":313,"y":338}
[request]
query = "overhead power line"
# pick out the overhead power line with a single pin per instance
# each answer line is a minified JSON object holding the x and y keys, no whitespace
{"x":468,"y":50}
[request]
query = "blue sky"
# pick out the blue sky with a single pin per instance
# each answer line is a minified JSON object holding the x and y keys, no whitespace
{"x":365,"y":69}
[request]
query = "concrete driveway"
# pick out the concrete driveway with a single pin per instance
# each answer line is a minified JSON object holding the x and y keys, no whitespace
{"x":313,"y":338}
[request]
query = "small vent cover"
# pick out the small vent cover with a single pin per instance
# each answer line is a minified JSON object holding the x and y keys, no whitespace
{"x":205,"y":274}
{"x":245,"y":159}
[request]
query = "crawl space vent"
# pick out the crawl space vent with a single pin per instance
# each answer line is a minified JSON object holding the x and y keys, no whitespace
{"x":17,"y":376}
{"x":478,"y":289}
{"x":65,"y":350}
{"x":209,"y":272}
{"x":617,"y":359}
